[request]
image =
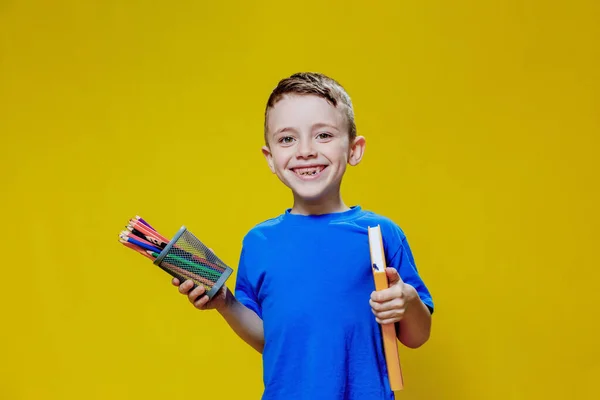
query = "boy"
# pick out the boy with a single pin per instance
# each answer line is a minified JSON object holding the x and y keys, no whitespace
{"x":304,"y":294}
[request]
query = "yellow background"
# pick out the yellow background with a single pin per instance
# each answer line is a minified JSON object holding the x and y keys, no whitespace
{"x":482,"y":121}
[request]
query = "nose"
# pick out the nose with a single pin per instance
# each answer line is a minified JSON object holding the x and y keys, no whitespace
{"x":305,"y":149}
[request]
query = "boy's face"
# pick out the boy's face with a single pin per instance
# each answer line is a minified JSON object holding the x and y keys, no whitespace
{"x":309,"y":146}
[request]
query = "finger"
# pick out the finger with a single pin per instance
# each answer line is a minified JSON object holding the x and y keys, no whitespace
{"x":175,"y":282}
{"x":395,"y":304}
{"x":394,"y":292}
{"x":197,"y":292}
{"x":392,"y":275}
{"x":201,"y":302}
{"x":186,"y":286}
{"x":396,"y":315}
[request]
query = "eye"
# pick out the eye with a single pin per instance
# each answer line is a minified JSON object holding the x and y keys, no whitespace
{"x":324,"y":135}
{"x":286,"y":140}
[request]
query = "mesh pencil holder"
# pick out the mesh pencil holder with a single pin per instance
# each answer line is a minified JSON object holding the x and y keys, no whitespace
{"x":185,"y":257}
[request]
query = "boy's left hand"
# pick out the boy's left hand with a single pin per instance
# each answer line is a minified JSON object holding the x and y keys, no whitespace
{"x":389,"y":305}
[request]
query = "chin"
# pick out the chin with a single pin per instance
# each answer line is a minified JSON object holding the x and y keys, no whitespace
{"x":309,"y":197}
{"x":310,"y":194}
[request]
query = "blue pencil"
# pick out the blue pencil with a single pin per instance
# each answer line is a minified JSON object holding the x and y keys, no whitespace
{"x":143,"y":245}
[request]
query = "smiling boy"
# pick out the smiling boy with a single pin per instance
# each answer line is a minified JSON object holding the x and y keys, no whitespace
{"x":304,"y":294}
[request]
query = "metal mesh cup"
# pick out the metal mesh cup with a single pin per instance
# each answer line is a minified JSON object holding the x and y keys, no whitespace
{"x":185,"y":257}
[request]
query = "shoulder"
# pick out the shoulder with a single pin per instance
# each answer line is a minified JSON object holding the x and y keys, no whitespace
{"x":389,"y":227}
{"x":260,"y":231}
{"x":394,"y":238}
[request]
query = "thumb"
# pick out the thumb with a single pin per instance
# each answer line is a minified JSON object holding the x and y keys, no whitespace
{"x":393,"y":276}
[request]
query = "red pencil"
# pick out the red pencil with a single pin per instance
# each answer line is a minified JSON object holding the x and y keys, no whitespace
{"x":144,"y":229}
{"x":134,"y":247}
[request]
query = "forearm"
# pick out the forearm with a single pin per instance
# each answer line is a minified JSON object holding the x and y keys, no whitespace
{"x":244,"y":322}
{"x":415,"y":326}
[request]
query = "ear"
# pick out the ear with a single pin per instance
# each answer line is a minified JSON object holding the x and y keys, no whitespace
{"x":357,"y":150}
{"x":269,"y":157}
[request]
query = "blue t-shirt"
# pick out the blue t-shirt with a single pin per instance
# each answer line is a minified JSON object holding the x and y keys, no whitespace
{"x":309,"y":278}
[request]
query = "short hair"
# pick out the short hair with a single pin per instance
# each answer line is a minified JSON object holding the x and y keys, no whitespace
{"x":313,"y":83}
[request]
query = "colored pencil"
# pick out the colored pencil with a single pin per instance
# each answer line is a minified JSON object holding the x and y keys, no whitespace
{"x":183,"y":260}
{"x":214,"y":266}
{"x":198,"y":260}
{"x":179,"y":260}
{"x":142,"y":245}
{"x":190,"y":275}
{"x":155,"y":240}
{"x":134,"y":247}
{"x":183,"y":256}
{"x":138,"y":218}
{"x":127,"y":234}
{"x":143,"y":228}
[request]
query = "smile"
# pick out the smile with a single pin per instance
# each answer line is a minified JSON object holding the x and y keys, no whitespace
{"x":309,"y":172}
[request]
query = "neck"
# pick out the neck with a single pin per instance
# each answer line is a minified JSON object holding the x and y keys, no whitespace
{"x":329,"y":205}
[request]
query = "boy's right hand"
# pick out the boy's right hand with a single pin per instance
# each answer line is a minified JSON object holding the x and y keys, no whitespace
{"x":198,"y":298}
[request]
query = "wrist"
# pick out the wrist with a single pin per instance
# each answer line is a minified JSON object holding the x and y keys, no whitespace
{"x":228,"y":303}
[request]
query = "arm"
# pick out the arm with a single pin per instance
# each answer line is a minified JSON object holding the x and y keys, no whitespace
{"x":414,"y":328}
{"x":244,"y":322}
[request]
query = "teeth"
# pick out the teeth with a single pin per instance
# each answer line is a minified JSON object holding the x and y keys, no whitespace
{"x":308,"y":171}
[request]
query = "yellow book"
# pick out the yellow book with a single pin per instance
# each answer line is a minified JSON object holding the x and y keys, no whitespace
{"x":388,"y":331}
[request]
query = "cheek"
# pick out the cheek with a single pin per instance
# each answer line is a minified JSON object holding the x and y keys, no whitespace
{"x":338,"y":155}
{"x":280,"y":159}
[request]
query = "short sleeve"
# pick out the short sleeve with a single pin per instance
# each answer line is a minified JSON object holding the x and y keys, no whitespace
{"x":245,"y":291}
{"x":403,"y":261}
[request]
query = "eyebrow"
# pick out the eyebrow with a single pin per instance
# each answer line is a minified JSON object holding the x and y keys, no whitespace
{"x":282,"y":130}
{"x":317,"y":125}
{"x":325,"y":125}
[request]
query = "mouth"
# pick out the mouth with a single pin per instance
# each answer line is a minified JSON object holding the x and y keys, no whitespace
{"x":309,"y":172}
